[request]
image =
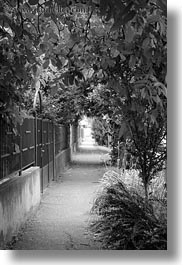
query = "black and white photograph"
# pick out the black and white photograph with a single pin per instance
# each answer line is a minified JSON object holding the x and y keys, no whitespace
{"x":83,"y":125}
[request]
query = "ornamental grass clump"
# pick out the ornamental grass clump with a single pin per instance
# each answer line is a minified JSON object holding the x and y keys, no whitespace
{"x":122,"y":220}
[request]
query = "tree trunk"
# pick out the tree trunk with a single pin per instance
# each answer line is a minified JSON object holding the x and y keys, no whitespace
{"x":146,"y":193}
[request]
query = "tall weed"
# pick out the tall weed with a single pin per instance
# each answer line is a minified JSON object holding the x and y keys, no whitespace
{"x":122,"y":220}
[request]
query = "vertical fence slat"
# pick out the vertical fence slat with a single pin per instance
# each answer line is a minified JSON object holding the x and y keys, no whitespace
{"x":31,"y":146}
{"x":53,"y":131}
{"x":47,"y":147}
{"x":20,"y":168}
{"x":35,"y":135}
{"x":41,"y":154}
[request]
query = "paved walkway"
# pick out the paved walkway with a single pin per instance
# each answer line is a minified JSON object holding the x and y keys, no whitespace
{"x":61,"y":221}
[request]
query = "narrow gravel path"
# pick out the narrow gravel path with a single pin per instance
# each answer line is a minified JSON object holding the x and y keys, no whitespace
{"x":61,"y":221}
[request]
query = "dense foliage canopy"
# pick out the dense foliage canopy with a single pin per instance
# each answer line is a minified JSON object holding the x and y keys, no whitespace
{"x":64,"y":43}
{"x":95,"y":57}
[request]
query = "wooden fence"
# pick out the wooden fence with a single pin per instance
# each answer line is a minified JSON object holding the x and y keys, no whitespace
{"x":36,"y":142}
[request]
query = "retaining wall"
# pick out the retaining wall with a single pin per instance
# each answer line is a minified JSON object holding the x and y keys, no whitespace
{"x":18,"y":196}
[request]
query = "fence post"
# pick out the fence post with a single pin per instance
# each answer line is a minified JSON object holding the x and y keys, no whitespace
{"x":53,"y":133}
{"x":21,"y":139}
{"x":48,"y":150}
{"x":42,"y":181}
{"x":35,"y":135}
{"x":70,"y":138}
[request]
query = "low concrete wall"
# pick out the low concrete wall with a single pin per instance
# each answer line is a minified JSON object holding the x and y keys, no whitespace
{"x":18,"y":196}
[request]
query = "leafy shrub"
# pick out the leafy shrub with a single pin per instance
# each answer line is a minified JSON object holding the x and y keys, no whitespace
{"x":122,"y":220}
